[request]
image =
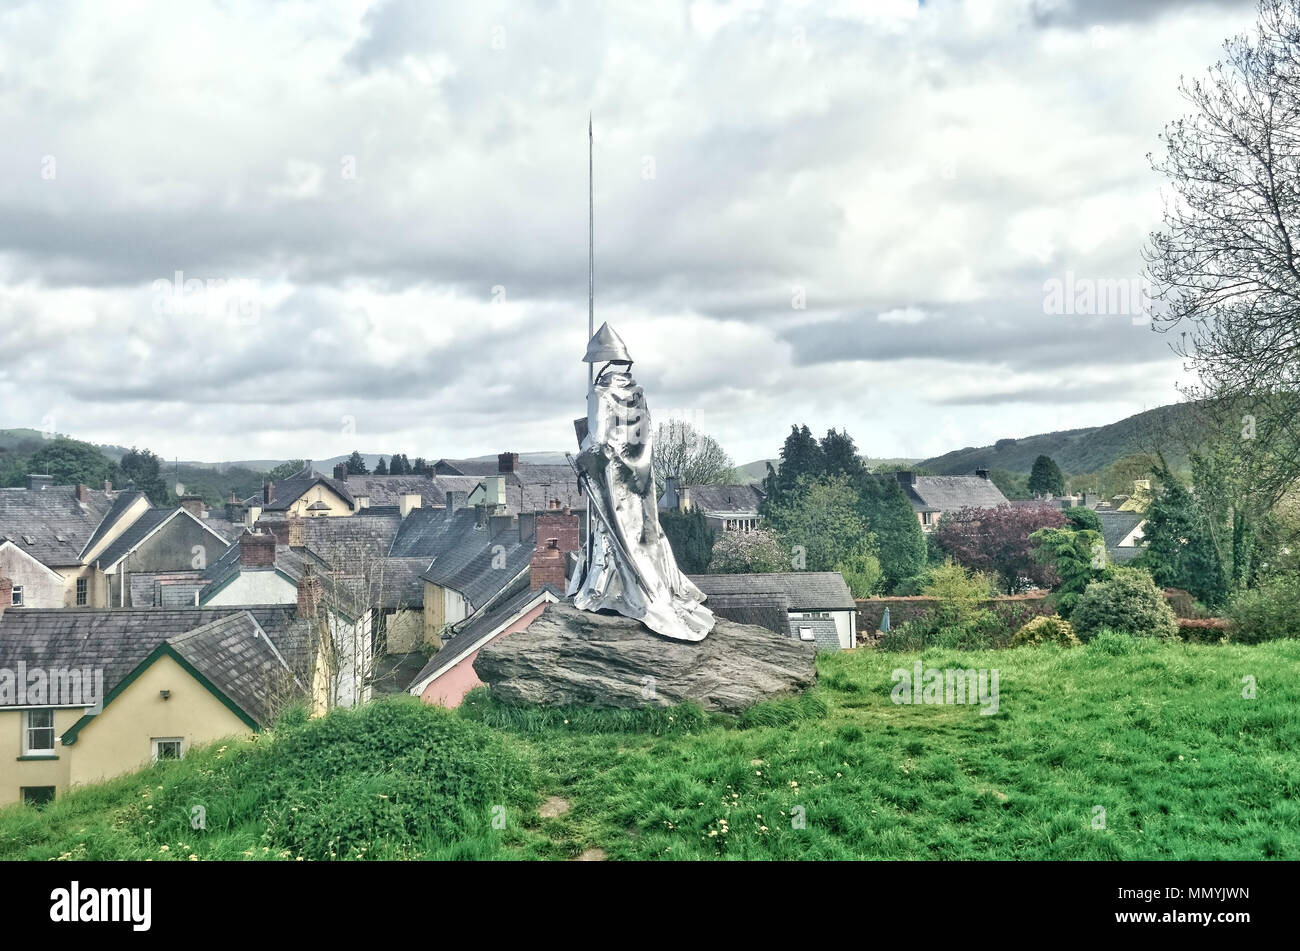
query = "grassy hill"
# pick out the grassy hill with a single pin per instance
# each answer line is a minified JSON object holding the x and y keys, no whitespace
{"x":1156,"y":733}
{"x":1075,"y":450}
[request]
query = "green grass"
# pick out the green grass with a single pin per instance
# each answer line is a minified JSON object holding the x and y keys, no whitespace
{"x":1156,"y":733}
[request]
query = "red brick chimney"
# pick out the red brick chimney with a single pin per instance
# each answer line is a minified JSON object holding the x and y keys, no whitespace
{"x":83,"y":493}
{"x":507,"y":461}
{"x":6,"y":594}
{"x":256,"y":550}
{"x":310,"y":591}
{"x":192,"y":504}
{"x":561,"y":525}
{"x":547,"y":566}
{"x":268,"y":493}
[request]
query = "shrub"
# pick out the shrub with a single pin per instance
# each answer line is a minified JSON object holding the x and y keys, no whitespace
{"x":1204,"y":630}
{"x":1127,"y":602}
{"x":1266,"y":613}
{"x":1046,"y":630}
{"x":960,"y":594}
{"x":1111,"y":642}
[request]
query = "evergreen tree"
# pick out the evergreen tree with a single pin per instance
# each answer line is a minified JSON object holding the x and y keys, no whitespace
{"x":356,"y":465}
{"x":144,"y":468}
{"x":901,"y":541}
{"x":421,"y":466}
{"x":839,"y":456}
{"x":1180,"y":550}
{"x":406,"y":465}
{"x":382,"y":467}
{"x":1046,"y":478}
{"x":690,"y":537}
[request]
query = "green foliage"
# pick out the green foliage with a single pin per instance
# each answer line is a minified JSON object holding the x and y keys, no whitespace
{"x":1268,"y":612}
{"x":960,"y":593}
{"x":286,"y":470}
{"x":381,"y":467}
{"x":69,"y":462}
{"x":690,"y":538}
{"x":1129,"y":602}
{"x":1046,"y":478}
{"x":356,"y":465}
{"x":1078,"y":556}
{"x":1082,"y":517}
{"x":738,"y":553}
{"x":1046,"y":630}
{"x":1014,"y":485}
{"x":822,"y":519}
{"x":1180,"y":550}
{"x":899,"y":539}
{"x":861,"y":571}
{"x":145,"y":469}
{"x":839,"y":455}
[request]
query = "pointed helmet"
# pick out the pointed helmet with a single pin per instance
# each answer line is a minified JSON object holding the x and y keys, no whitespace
{"x":606,"y":346}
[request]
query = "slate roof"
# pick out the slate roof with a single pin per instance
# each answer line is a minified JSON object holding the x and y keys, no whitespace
{"x":1115,"y":527}
{"x":529,"y":488}
{"x":171,"y":589}
{"x":428,"y":533}
{"x":49,"y":523}
{"x":482,"y":567}
{"x":740,"y":500}
{"x":825,"y":635}
{"x":293,"y":488}
{"x":952,"y":493}
{"x":803,"y":590}
{"x":138,"y":530}
{"x":240,"y":659}
{"x":477,"y":629}
{"x":117,"y":640}
{"x":389,"y":489}
{"x":291,"y":561}
{"x":124,"y":500}
{"x":765,"y":609}
{"x":366,"y":531}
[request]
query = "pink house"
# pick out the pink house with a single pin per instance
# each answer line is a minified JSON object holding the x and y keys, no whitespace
{"x":449,"y":675}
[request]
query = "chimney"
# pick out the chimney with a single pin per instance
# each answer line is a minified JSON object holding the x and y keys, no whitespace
{"x":547,"y":566}
{"x":268,"y":492}
{"x":982,"y":473}
{"x":6,"y":594}
{"x":527,"y":527}
{"x":480,"y":515}
{"x":906,"y":478}
{"x":499,"y":523}
{"x":108,"y":487}
{"x":560,"y":527}
{"x":554,"y":505}
{"x":256,"y":550}
{"x":251,"y":515}
{"x":192,"y":504}
{"x":410,"y":500}
{"x":278,"y":528}
{"x":83,"y":493}
{"x":341,"y":472}
{"x":35,"y":481}
{"x":297,"y":531}
{"x":457,"y":500}
{"x":507,"y":461}
{"x":310,"y":591}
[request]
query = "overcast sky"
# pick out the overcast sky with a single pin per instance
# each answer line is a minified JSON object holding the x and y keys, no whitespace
{"x":843,"y":214}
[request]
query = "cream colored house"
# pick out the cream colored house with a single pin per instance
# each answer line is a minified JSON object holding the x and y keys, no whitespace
{"x":88,"y":695}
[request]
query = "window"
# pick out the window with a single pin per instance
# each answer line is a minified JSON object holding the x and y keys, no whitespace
{"x":38,"y":733}
{"x":81,"y":592}
{"x":166,"y":747}
{"x":37,"y":795}
{"x":17,"y":599}
{"x":806,"y":634}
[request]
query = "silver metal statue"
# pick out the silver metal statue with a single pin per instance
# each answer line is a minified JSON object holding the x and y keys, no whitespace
{"x":628,"y":564}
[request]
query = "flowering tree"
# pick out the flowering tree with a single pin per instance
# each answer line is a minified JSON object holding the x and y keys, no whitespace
{"x":996,"y":541}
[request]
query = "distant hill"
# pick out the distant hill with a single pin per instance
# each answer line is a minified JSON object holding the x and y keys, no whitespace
{"x":1074,"y":450}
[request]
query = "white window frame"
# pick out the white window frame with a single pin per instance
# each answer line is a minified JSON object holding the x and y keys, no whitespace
{"x":28,"y":749}
{"x":16,"y":598}
{"x":178,"y":740}
{"x":82,"y":592}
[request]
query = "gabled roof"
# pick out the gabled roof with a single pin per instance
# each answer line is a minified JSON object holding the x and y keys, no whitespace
{"x":389,"y":489}
{"x":478,"y":629}
{"x":952,"y":493}
{"x":49,"y":523}
{"x":482,"y":567}
{"x":429,"y":533}
{"x":295,"y":487}
{"x":290,"y":563}
{"x":367,"y":531}
{"x":1117,"y":526}
{"x":143,"y":528}
{"x":125,"y":499}
{"x":529,"y":488}
{"x":803,"y":590}
{"x":117,"y":640}
{"x":725,"y":499}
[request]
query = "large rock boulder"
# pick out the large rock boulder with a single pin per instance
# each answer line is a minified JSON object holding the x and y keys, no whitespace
{"x":568,"y":656}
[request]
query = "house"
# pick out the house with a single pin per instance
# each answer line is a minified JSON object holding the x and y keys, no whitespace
{"x":807,"y":596}
{"x":48,"y":534}
{"x":520,"y":487}
{"x":933,"y":496}
{"x":87,"y":694}
{"x":1123,"y":531}
{"x":726,"y":508}
{"x":159,"y":559}
{"x":308,"y":494}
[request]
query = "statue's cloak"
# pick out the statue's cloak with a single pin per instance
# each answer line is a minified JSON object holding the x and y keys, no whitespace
{"x":629,"y":566}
